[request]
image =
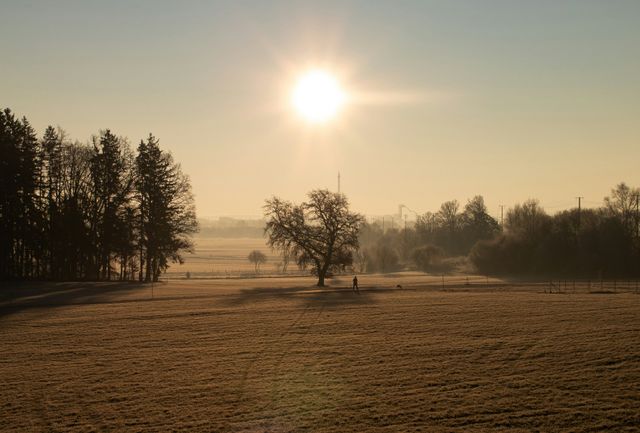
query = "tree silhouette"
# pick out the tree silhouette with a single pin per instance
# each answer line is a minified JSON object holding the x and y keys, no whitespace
{"x":322,"y":232}
{"x":20,"y":207}
{"x":456,"y":233}
{"x":74,"y":211}
{"x":601,"y":243}
{"x":10,"y":205}
{"x":257,"y":258}
{"x":167,"y":211}
{"x":52,"y":166}
{"x":623,"y":204}
{"x":110,"y":171}
{"x":527,"y":220}
{"x":477,"y":224}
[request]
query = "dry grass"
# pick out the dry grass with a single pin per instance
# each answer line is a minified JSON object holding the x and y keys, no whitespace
{"x":215,"y":257}
{"x":278,"y":355}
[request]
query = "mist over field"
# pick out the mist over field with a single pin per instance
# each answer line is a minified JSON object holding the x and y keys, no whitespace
{"x":319,"y":216}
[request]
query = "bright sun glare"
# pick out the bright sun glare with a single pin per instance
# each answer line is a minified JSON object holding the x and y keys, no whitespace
{"x":317,"y":96}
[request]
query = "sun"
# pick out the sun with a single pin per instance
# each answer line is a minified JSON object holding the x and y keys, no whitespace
{"x":317,"y":96}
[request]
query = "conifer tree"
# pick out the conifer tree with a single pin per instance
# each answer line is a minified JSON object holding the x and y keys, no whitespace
{"x":167,"y":210}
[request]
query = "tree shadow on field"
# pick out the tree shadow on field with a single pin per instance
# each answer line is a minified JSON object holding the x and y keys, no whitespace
{"x":18,"y":296}
{"x":345,"y":297}
{"x":308,"y":296}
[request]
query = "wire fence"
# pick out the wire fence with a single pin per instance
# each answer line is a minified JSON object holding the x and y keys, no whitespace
{"x":550,"y":286}
{"x":435,"y":282}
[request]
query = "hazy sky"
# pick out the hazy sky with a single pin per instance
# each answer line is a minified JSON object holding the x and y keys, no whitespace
{"x":508,"y":99}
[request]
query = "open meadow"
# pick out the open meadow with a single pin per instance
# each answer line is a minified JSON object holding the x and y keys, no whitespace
{"x":279,"y":355}
{"x":219,"y":257}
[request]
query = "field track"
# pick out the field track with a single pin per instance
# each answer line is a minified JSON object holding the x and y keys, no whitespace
{"x":279,"y":355}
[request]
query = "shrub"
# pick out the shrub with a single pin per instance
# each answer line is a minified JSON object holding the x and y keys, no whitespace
{"x":427,"y":258}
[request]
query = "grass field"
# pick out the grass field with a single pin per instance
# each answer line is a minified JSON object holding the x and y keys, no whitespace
{"x":216,"y":257}
{"x":278,"y":355}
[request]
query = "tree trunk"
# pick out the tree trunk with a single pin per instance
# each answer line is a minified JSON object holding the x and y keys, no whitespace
{"x":321,"y":275}
{"x":156,"y":271}
{"x":147,"y":277}
{"x":141,"y":271}
{"x":142,"y":233}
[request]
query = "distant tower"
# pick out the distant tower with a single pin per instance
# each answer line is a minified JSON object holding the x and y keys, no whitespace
{"x":338,"y":182}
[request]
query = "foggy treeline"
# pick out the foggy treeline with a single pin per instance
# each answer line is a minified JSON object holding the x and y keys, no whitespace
{"x":430,"y":243}
{"x":95,"y":211}
{"x":589,"y":243}
{"x":227,"y":227}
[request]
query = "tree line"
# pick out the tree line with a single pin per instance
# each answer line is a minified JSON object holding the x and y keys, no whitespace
{"x":96,"y":211}
{"x":592,"y":243}
{"x":430,"y":242}
{"x":589,"y":243}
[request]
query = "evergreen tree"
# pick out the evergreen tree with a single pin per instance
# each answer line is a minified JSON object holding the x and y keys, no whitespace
{"x":73,"y":211}
{"x":167,"y":211}
{"x":9,"y":200}
{"x":51,"y":148}
{"x":20,"y":213}
{"x":112,"y":188}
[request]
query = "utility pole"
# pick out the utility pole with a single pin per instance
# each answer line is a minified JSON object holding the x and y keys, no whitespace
{"x":502,"y":216}
{"x":579,"y":209}
{"x":405,"y":234}
{"x":338,"y":182}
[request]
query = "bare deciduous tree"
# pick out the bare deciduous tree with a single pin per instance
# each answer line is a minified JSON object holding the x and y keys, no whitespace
{"x":623,"y":204}
{"x":321,"y":232}
{"x":257,"y":258}
{"x":527,"y":220}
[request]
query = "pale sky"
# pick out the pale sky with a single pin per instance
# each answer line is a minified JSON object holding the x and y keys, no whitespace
{"x":508,"y":99}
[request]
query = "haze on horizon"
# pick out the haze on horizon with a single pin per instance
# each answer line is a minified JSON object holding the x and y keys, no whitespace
{"x":506,"y":100}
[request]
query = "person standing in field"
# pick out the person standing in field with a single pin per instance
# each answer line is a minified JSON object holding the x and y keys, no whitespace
{"x":355,"y":287}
